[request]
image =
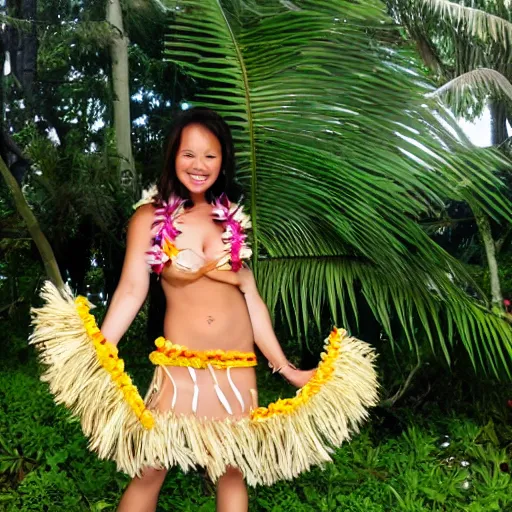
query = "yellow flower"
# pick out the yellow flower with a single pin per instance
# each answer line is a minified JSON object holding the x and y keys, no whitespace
{"x":147,"y":419}
{"x":107,"y":355}
{"x":125,"y":380}
{"x":177,"y":355}
{"x":170,"y":249}
{"x":109,"y":364}
{"x":137,"y":408}
{"x":102,"y":351}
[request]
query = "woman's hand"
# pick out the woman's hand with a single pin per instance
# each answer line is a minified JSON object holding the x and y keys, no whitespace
{"x":244,"y":278}
{"x":298,"y":378}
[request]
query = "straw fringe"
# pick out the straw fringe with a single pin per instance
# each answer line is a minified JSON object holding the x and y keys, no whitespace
{"x":277,"y":447}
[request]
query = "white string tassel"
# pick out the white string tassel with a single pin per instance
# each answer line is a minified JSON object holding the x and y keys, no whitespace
{"x":196,"y":389}
{"x":220,"y":394}
{"x":235,"y":390}
{"x":174,"y":387}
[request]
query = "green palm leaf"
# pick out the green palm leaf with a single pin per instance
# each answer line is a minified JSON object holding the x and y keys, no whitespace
{"x":454,"y":39}
{"x":479,"y":23}
{"x":341,"y":159}
{"x":483,"y":81}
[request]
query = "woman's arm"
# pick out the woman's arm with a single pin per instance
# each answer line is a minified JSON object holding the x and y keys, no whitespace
{"x":264,"y":335}
{"x":134,"y":282}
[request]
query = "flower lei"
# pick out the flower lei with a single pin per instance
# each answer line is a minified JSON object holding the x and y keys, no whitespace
{"x":164,"y":231}
{"x":169,"y":354}
{"x":322,"y":375}
{"x":108,"y":358}
{"x":236,"y":223}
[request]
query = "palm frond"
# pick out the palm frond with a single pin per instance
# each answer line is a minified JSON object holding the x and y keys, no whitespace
{"x":335,"y":145}
{"x":483,"y":81}
{"x":412,"y":299}
{"x":477,"y":22}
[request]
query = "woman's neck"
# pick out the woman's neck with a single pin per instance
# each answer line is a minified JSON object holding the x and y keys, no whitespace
{"x":198,"y":199}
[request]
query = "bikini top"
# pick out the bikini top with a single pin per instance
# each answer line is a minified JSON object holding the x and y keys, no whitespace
{"x":164,"y":232}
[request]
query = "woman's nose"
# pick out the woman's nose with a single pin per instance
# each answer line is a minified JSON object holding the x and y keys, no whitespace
{"x":199,"y":164}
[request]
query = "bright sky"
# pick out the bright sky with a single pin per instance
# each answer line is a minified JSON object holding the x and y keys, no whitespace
{"x":479,"y":132}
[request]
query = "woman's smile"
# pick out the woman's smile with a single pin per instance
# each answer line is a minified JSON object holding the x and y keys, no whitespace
{"x":200,"y":178}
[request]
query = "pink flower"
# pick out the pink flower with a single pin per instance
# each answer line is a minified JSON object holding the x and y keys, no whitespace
{"x":164,"y":230}
{"x":235,"y":223}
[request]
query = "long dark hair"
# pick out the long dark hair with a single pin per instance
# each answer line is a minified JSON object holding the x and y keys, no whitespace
{"x":225,"y":183}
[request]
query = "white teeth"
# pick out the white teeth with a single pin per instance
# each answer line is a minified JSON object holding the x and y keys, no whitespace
{"x":197,"y":177}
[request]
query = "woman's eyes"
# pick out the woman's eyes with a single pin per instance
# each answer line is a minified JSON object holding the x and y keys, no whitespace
{"x":189,"y":155}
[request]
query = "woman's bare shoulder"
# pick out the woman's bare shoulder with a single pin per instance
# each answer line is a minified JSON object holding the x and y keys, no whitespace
{"x":146,"y":211}
{"x":142,"y":219}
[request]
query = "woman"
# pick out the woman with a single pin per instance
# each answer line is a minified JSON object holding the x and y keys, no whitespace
{"x":201,"y":407}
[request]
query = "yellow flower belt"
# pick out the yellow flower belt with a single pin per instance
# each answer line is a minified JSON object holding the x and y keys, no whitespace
{"x":170,"y":354}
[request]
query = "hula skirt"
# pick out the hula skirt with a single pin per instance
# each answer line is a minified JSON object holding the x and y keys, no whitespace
{"x":272,"y":443}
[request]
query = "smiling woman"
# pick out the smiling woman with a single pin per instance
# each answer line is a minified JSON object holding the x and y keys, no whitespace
{"x":202,"y":407}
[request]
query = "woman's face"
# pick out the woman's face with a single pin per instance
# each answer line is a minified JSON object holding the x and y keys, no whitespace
{"x":198,"y":160}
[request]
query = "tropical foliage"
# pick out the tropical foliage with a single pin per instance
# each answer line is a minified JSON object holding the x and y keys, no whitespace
{"x":363,"y":191}
{"x":341,"y":158}
{"x":468,"y":48}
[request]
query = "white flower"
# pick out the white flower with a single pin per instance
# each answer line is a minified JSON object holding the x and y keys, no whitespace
{"x":155,"y":256}
{"x":227,"y":235}
{"x":243,"y":219}
{"x":147,"y":196}
{"x":245,"y":253}
{"x":219,"y":214}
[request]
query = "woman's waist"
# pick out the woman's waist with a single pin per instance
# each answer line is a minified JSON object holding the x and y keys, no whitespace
{"x":170,"y":353}
{"x":227,"y":337}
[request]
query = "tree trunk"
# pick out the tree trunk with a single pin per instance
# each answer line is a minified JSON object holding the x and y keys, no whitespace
{"x":484,"y":228}
{"x":22,"y":47}
{"x":121,"y":103}
{"x":45,"y":250}
{"x":498,"y":111}
{"x":29,"y":48}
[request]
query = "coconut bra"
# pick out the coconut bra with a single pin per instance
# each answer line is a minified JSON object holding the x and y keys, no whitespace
{"x":165,"y":232}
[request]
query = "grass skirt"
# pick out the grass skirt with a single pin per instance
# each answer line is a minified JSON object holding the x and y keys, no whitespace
{"x":273,"y":443}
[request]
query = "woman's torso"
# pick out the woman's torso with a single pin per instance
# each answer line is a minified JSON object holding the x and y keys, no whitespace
{"x":204,"y":314}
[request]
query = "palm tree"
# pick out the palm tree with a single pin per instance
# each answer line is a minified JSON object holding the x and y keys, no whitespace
{"x":470,"y":50}
{"x":340,"y":157}
{"x":467,"y":48}
{"x":50,"y":264}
